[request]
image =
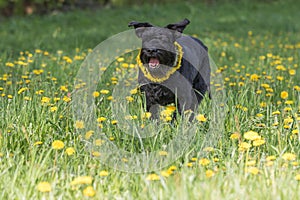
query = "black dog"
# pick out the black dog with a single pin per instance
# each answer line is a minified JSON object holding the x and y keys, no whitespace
{"x":172,"y":68}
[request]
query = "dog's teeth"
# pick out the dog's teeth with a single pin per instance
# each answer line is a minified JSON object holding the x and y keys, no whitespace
{"x":153,"y":62}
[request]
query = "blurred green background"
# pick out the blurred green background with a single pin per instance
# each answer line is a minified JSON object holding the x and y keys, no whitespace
{"x":69,"y":24}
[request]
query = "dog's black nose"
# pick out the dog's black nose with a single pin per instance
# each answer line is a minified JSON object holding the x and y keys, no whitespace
{"x":152,"y":50}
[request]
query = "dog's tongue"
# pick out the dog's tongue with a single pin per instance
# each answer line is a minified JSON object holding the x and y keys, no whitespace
{"x":153,"y":62}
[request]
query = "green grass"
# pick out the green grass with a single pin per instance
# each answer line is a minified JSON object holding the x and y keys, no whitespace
{"x":256,"y":49}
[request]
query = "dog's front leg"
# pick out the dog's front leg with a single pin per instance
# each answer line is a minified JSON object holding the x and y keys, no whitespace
{"x":189,"y":104}
{"x":153,"y":109}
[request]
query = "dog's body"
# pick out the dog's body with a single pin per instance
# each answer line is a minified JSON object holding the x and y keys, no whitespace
{"x":175,"y":68}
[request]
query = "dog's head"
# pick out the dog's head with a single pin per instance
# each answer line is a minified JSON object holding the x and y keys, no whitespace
{"x":158,"y":51}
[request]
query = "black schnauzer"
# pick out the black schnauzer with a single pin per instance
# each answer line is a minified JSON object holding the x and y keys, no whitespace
{"x":173,"y":68}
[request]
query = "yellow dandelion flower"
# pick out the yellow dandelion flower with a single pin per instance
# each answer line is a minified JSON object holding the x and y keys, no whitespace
{"x":287,"y":126}
{"x":53,"y":108}
{"x":254,"y":77}
{"x":79,"y":124}
{"x":66,"y":99}
{"x":201,"y":118}
{"x":103,"y":173}
{"x":288,"y":120}
{"x":241,"y":84}
{"x":208,"y":149}
{"x":37,"y":143}
{"x":146,"y":115}
{"x":153,"y":177}
{"x":259,"y":115}
{"x":70,"y":151}
{"x":96,"y":94}
{"x":110,"y":98}
{"x":252,"y":135}
{"x":269,"y":163}
{"x":163,"y":153}
{"x":292,"y":72}
{"x":82,"y":180}
{"x":280,"y":78}
{"x":258,"y":91}
{"x":289,"y":156}
{"x":189,"y":164}
{"x":101,"y":119}
{"x":44,"y":187}
{"x":244,"y":146}
{"x":45,"y":100}
{"x":280,"y":68}
{"x":9,"y":64}
{"x":263,"y":104}
{"x":167,"y":119}
{"x":297,"y":88}
{"x":297,"y":177}
{"x":235,"y":136}
{"x":277,"y":112}
{"x":133,"y":91}
{"x":172,"y":168}
{"x":99,"y":142}
{"x":27,"y":98}
{"x":89,"y":191}
{"x":271,"y":158}
{"x":104,"y":91}
{"x":194,"y":159}
{"x":204,"y":161}
{"x":125,"y":65}
{"x":96,"y":154}
{"x":284,"y":94}
{"x":64,"y":88}
{"x":171,"y":108}
{"x":111,"y":138}
{"x":88,"y":134}
{"x":40,"y":92}
{"x":114,"y":122}
{"x":252,"y":170}
{"x":258,"y":142}
{"x":286,"y":109}
{"x":22,"y":90}
{"x":165,"y":173}
{"x":120,"y":59}
{"x":289,"y":102}
{"x":295,"y":132}
{"x":209,"y":173}
{"x":58,"y":144}
{"x":129,"y":99}
{"x":114,"y":79}
{"x":250,"y":163}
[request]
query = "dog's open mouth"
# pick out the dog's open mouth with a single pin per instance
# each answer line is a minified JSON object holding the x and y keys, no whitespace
{"x":153,"y":63}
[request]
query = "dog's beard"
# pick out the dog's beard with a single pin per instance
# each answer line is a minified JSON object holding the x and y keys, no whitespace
{"x":159,"y":62}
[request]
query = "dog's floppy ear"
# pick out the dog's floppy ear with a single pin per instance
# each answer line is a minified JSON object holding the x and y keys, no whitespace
{"x":139,"y":27}
{"x":180,"y":26}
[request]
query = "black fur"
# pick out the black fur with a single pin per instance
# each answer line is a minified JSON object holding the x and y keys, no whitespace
{"x":193,"y":78}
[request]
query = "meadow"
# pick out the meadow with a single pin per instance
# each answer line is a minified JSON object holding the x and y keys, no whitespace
{"x":255,"y":155}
